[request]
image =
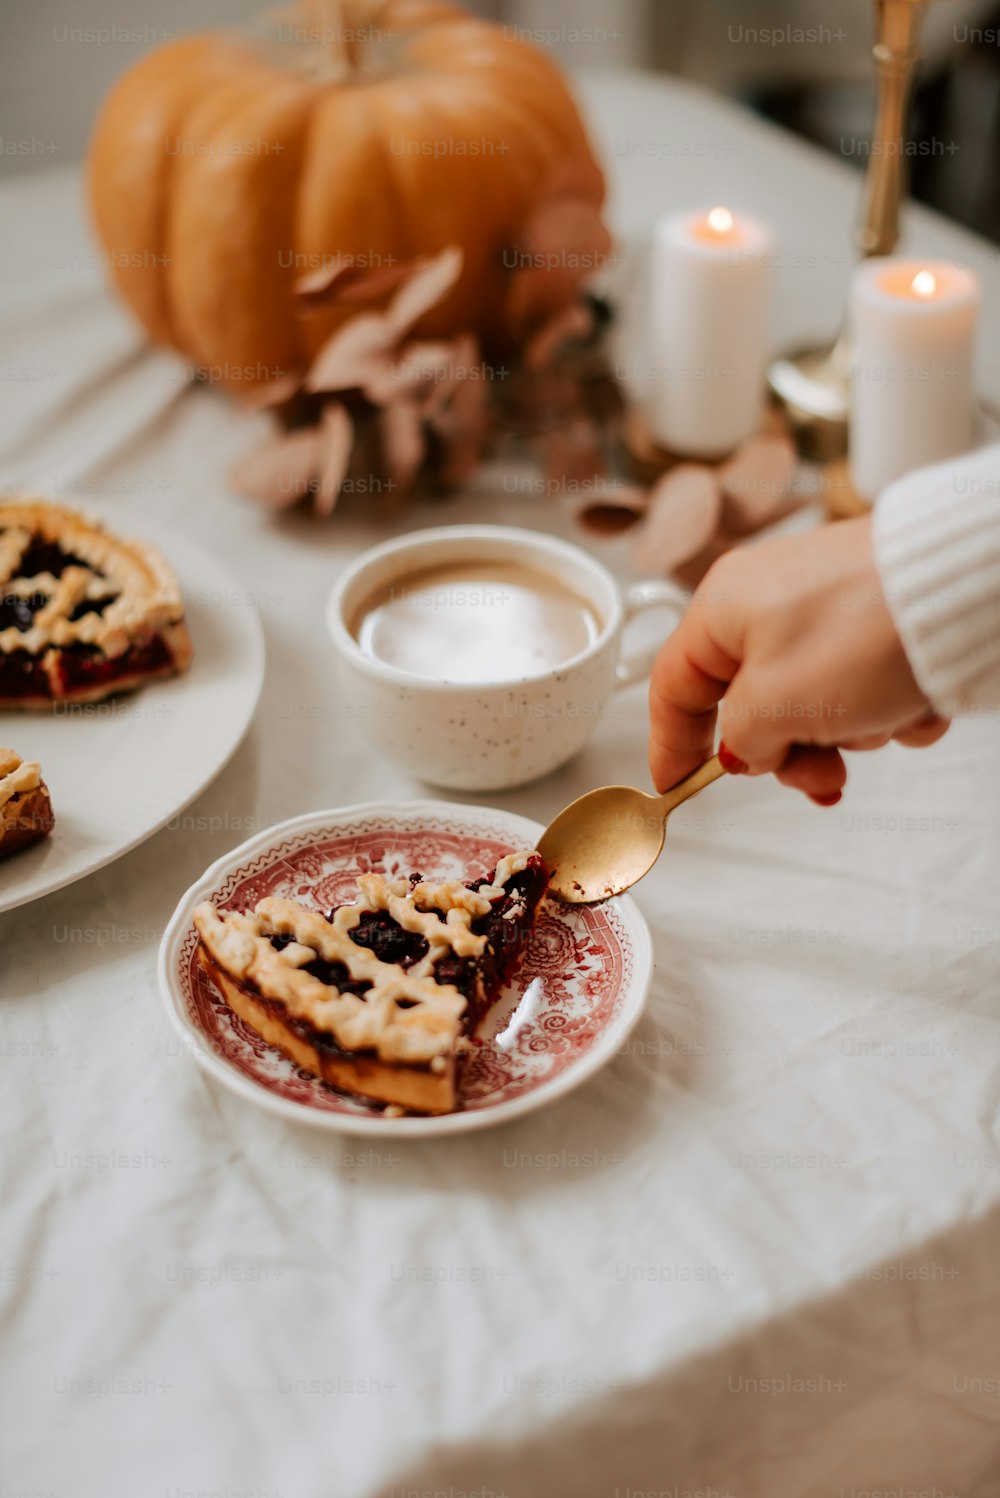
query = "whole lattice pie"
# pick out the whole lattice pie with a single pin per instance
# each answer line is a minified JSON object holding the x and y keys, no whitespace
{"x":378,"y":998}
{"x":83,"y":613}
{"x":25,"y":809}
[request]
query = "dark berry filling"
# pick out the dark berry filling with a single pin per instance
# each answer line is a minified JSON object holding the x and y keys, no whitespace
{"x":47,"y":556}
{"x":506,"y":926}
{"x":82,"y":666}
{"x":91,"y":606}
{"x":18,"y":610}
{"x":321,"y":1039}
{"x":334,"y":974}
{"x":386,"y":938}
{"x":21,"y":675}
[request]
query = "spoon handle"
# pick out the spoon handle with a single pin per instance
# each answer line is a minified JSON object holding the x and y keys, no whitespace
{"x":691,"y":784}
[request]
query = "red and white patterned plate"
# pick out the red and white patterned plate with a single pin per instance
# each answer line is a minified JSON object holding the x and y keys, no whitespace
{"x":580,"y":989}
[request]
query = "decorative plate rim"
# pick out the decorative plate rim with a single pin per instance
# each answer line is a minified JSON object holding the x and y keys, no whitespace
{"x":407,"y":1127}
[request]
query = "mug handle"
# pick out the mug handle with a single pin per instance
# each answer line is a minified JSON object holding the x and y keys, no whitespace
{"x":653,"y":593}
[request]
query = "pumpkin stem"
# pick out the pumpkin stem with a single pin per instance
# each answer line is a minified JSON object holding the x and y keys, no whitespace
{"x":337,"y":62}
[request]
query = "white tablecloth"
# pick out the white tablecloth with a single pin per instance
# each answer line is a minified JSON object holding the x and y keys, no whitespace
{"x":756,"y":1256}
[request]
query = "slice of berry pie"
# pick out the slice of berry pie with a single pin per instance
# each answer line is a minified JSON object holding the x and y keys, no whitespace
{"x":25,"y":809}
{"x":378,"y":998}
{"x":83,"y":613}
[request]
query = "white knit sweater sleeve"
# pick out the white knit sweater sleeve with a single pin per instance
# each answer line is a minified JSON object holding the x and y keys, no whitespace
{"x":937,"y":548}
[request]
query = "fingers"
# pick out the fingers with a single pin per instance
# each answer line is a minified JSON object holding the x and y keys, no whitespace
{"x":925,"y":731}
{"x":764,"y":655}
{"x":867,"y":741}
{"x":690,"y":675}
{"x":821,"y":773}
{"x":749,"y":727}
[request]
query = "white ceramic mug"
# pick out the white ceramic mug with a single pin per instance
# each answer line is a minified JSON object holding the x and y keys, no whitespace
{"x":473,"y":737}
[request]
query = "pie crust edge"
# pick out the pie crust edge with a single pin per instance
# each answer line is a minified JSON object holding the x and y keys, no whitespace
{"x":150,"y":603}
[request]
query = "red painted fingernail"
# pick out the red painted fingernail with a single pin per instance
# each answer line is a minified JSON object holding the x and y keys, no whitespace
{"x":731,"y":762}
{"x":830,"y":799}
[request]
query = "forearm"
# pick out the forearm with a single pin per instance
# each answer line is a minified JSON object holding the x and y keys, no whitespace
{"x":937,"y":547}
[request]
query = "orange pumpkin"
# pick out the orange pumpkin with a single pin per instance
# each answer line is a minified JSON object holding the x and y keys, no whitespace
{"x":225,"y":168}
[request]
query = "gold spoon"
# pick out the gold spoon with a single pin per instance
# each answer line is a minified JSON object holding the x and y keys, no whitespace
{"x":605,"y":841}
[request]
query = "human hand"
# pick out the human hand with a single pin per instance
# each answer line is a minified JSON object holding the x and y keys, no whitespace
{"x":791,"y":646}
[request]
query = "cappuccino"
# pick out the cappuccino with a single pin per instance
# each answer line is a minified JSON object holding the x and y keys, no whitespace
{"x":476,"y":622}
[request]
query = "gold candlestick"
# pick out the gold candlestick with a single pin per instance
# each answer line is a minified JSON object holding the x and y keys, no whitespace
{"x":811,"y":385}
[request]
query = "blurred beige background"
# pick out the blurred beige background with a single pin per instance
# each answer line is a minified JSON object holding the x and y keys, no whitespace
{"x":804,"y":63}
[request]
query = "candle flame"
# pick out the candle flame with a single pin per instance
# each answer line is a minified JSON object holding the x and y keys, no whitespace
{"x":924,"y":283}
{"x":721,"y":220}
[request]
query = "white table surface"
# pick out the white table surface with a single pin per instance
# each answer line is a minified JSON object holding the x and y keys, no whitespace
{"x":756,"y":1256}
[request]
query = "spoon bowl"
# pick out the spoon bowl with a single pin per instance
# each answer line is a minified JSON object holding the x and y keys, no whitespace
{"x":605,"y":841}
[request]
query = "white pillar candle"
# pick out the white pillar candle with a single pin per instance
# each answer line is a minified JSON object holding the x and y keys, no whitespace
{"x":710,"y":305}
{"x":912,"y":329}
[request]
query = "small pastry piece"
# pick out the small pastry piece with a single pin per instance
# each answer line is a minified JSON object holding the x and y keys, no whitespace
{"x":25,"y":809}
{"x":378,"y":998}
{"x":83,"y":614}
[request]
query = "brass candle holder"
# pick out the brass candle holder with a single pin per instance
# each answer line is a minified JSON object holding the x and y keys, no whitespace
{"x":812,"y":385}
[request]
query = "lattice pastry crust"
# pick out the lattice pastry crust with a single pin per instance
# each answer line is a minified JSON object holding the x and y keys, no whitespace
{"x":25,"y":808}
{"x":17,"y":775}
{"x":145,"y":596}
{"x":422,"y":1032}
